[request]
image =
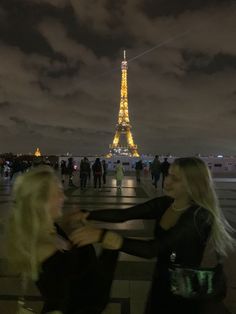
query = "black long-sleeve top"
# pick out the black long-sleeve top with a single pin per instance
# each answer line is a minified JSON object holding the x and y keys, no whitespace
{"x":187,"y":238}
{"x":67,"y":279}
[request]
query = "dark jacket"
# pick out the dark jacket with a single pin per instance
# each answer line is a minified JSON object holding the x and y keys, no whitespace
{"x":97,"y":168}
{"x":165,"y":165}
{"x":84,"y":167}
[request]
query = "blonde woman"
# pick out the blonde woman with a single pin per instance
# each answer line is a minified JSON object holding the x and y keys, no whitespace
{"x":67,"y":277}
{"x":186,"y":218}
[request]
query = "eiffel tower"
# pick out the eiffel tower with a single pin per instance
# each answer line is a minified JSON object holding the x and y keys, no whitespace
{"x":123,"y":143}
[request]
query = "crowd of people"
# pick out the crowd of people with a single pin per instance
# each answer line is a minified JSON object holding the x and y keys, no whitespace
{"x":56,"y":251}
{"x":9,"y":168}
{"x":98,"y":169}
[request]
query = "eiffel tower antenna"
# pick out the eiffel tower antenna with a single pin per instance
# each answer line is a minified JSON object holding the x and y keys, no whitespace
{"x":123,"y":143}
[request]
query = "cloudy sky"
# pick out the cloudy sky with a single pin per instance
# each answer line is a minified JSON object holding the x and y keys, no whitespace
{"x":60,"y":75}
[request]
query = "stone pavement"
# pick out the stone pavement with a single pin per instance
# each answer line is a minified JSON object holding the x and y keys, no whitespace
{"x":132,"y":278}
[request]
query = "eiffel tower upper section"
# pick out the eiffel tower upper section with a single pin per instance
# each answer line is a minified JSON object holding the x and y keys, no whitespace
{"x":123,"y":143}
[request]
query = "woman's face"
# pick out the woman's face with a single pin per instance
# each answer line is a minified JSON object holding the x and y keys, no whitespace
{"x":56,"y":200}
{"x":174,"y":184}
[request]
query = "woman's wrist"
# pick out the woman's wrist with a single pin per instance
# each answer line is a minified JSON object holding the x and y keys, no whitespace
{"x":111,"y":240}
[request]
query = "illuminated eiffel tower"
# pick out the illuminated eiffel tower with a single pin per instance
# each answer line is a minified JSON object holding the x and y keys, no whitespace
{"x":123,"y":143}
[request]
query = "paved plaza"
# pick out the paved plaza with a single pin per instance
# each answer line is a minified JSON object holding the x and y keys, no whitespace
{"x":132,"y":278}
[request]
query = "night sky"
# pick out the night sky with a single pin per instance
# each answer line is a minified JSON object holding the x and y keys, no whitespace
{"x":60,"y":75}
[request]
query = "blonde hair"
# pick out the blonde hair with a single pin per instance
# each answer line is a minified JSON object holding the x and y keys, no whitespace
{"x":201,"y":191}
{"x":30,"y":223}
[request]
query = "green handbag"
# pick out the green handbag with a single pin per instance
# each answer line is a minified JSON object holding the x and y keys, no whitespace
{"x":197,"y":283}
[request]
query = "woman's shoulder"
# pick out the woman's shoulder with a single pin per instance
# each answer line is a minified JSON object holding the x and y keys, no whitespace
{"x":202,"y":213}
{"x":203,"y":218}
{"x":161,"y":202}
{"x":164,"y":200}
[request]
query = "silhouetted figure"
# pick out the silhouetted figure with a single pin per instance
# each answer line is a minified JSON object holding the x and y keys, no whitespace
{"x":165,"y":165}
{"x":70,"y":171}
{"x":63,"y":171}
{"x":156,"y":170}
{"x":138,"y":170}
{"x":97,"y":172}
{"x":56,"y":166}
{"x":16,"y":167}
{"x":84,"y":172}
{"x":1,"y":167}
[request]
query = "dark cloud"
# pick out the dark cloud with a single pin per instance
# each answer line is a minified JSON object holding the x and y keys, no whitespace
{"x":60,"y":75}
{"x":159,"y":8}
{"x":22,"y":19}
{"x":209,"y":64}
{"x":4,"y":104}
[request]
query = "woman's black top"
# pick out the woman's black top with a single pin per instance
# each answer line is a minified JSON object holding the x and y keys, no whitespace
{"x":74,"y":281}
{"x":187,"y":238}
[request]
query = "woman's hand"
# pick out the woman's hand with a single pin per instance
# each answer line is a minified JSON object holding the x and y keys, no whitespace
{"x":73,"y":220}
{"x":86,"y":235}
{"x":62,"y":244}
{"x":79,"y":216}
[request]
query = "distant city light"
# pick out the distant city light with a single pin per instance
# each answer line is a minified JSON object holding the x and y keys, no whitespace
{"x":37,"y":152}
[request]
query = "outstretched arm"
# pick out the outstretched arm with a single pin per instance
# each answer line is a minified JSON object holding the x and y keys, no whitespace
{"x":151,"y":209}
{"x":190,"y":232}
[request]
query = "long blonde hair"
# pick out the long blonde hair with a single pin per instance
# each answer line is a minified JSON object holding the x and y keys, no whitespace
{"x":30,"y":223}
{"x":201,"y":191}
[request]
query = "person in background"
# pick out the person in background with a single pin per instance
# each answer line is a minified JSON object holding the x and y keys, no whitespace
{"x":71,"y":280}
{"x":1,"y":167}
{"x":63,"y":171}
{"x":138,"y":170}
{"x":119,"y":174}
{"x":7,"y":169}
{"x":16,"y":168}
{"x":97,"y":173}
{"x":70,"y":171}
{"x":84,"y":172}
{"x":89,"y":169}
{"x":156,"y":170}
{"x":56,"y":165}
{"x":165,"y":165}
{"x":187,"y":217}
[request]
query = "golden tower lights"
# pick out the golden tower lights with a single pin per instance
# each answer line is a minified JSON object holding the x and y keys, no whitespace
{"x":123,"y":128}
